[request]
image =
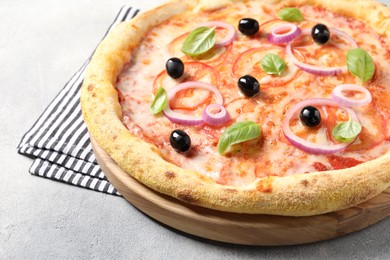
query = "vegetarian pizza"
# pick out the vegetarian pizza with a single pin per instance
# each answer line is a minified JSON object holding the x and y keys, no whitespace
{"x":261,"y":107}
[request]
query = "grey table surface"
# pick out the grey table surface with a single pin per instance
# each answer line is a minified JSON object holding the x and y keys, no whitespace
{"x":42,"y":43}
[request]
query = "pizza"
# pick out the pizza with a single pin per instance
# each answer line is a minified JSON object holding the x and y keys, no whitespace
{"x":259,"y":107}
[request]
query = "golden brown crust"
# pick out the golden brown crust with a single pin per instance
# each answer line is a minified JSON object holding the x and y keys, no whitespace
{"x":375,"y":14}
{"x":296,"y":195}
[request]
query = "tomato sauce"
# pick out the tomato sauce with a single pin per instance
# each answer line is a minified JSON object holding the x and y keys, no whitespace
{"x":271,"y":154}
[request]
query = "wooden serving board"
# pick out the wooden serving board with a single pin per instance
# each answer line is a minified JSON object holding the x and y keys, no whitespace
{"x":241,"y":228}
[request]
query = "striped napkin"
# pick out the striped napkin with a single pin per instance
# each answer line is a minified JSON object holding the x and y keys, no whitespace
{"x":59,"y":141}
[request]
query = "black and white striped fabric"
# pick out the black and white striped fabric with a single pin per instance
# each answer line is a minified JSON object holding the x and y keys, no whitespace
{"x":59,"y":140}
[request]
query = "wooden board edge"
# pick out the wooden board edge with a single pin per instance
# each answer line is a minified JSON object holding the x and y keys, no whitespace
{"x":246,"y":229}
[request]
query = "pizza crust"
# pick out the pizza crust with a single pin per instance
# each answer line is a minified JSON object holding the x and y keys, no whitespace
{"x":375,"y":14}
{"x":296,"y":195}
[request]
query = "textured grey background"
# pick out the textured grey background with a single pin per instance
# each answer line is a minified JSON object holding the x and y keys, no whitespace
{"x":42,"y":43}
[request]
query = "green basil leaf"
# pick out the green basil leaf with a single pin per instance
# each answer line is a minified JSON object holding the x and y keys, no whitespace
{"x":290,"y":14}
{"x":273,"y":64}
{"x":238,"y":133}
{"x":360,"y":64}
{"x":159,"y":102}
{"x":346,"y":131}
{"x":199,"y":41}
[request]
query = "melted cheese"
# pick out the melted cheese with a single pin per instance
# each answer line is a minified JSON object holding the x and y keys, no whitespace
{"x":272,"y":154}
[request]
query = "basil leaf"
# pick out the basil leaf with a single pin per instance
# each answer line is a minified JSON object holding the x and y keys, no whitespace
{"x":159,"y":102}
{"x":290,"y":14}
{"x":273,"y":64}
{"x":360,"y":64}
{"x":346,"y":131}
{"x":238,"y":133}
{"x":199,"y":41}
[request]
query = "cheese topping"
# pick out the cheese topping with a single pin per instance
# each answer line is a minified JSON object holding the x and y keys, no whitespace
{"x":272,"y":154}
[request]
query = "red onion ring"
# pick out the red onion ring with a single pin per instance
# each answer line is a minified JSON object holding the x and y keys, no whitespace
{"x":344,"y":35}
{"x":276,"y":37}
{"x":213,"y":118}
{"x":317,"y":70}
{"x":338,"y":96}
{"x":307,"y":146}
{"x":185,"y":119}
{"x":229,"y":37}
